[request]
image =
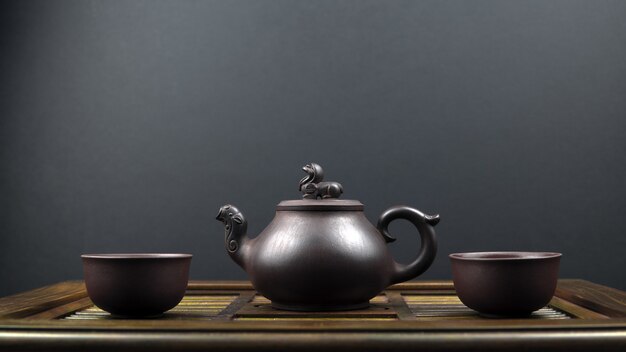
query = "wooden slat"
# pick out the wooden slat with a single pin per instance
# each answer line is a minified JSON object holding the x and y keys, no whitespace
{"x":41,"y":299}
{"x":296,"y":319}
{"x":398,"y":304}
{"x":242,"y":299}
{"x":601,"y":299}
{"x":588,"y":340}
{"x":571,"y":325}
{"x":575,"y":310}
{"x":61,"y":311}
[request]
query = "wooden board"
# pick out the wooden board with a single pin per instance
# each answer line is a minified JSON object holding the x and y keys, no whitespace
{"x":230,"y":315}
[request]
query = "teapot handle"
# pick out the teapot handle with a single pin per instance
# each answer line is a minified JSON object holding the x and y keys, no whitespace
{"x":425,"y":226}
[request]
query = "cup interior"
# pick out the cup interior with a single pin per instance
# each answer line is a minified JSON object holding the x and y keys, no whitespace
{"x":137,"y":256}
{"x":504,"y":255}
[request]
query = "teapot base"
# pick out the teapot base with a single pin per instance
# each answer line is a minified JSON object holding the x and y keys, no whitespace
{"x":320,"y":308}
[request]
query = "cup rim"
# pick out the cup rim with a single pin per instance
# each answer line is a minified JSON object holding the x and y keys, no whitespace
{"x":503,"y":255}
{"x":136,"y":256}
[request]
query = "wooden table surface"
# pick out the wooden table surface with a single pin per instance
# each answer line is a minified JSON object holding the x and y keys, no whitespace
{"x":230,"y":315}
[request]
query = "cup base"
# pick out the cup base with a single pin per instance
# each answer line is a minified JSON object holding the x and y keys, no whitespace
{"x":505,"y":316}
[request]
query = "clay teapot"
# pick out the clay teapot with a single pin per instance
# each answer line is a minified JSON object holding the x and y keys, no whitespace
{"x":320,"y":253}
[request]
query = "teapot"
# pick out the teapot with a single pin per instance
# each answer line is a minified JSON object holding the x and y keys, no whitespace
{"x":320,"y":253}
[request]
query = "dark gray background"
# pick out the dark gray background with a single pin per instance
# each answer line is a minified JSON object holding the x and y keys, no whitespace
{"x":126,"y":125}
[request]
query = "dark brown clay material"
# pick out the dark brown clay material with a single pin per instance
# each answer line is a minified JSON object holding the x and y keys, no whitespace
{"x":323,"y":254}
{"x":138,"y":284}
{"x":505,"y":283}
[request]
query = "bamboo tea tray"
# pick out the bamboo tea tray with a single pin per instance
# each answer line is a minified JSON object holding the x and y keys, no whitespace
{"x":230,"y":315}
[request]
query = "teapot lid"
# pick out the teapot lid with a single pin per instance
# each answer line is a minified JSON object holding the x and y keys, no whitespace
{"x":313,"y":187}
{"x":320,"y":205}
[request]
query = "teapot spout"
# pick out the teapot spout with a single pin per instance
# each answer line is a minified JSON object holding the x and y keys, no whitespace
{"x":235,"y":228}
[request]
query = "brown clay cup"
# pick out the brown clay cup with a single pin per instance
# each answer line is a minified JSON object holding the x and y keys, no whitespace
{"x":136,"y":285}
{"x":505,"y":283}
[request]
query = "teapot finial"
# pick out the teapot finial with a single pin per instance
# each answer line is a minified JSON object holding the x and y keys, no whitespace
{"x":313,"y":187}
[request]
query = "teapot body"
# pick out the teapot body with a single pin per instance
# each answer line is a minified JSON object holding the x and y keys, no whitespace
{"x":323,"y":254}
{"x":319,"y":260}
